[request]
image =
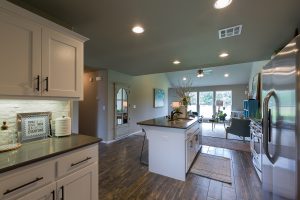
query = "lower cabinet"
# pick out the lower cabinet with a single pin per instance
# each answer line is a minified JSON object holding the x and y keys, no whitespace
{"x":193,"y":144}
{"x":70,"y":176}
{"x":79,"y":185}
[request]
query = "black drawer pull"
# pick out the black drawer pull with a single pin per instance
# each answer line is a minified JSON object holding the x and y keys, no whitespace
{"x":47,"y":84}
{"x":38,"y":83}
{"x":26,"y":184}
{"x":62,"y":193}
{"x":53,"y":195}
{"x":74,"y":164}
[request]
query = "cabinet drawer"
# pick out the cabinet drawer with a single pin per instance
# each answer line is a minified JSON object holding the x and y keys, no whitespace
{"x":25,"y":180}
{"x":75,"y":160}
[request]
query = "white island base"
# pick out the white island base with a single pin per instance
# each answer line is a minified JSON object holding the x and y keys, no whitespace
{"x":172,"y":150}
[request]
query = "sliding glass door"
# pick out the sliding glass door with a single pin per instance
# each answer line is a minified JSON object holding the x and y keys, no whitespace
{"x":224,"y":98}
{"x":206,"y":104}
{"x":193,"y":106}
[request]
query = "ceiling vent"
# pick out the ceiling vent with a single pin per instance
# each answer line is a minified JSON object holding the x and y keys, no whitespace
{"x":230,"y":32}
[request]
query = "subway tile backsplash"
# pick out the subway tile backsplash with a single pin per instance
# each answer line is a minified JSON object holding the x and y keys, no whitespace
{"x":10,"y":108}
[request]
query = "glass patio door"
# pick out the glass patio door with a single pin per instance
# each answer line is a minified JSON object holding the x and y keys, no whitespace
{"x":193,"y":106}
{"x":206,"y":104}
{"x":226,"y":98}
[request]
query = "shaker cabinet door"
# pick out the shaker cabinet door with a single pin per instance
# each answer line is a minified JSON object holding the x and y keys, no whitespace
{"x":20,"y":55}
{"x":62,"y":65}
{"x":80,"y":185}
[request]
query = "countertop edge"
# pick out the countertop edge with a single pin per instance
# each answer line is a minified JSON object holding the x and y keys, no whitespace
{"x":163,"y":126}
{"x":22,"y":164}
{"x":167,"y":126}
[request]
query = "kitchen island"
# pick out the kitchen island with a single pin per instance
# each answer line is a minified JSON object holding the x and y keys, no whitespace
{"x":173,"y":145}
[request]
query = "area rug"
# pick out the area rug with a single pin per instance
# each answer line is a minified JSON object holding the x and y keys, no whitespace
{"x":213,"y":167}
{"x":227,"y":144}
{"x":219,"y":132}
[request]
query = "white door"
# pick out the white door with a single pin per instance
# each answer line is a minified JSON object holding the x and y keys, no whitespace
{"x":20,"y":55}
{"x":47,"y":192}
{"x":80,"y":185}
{"x":62,"y":65}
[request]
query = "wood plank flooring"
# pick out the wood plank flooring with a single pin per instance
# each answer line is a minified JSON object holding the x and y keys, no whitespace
{"x":122,"y":177}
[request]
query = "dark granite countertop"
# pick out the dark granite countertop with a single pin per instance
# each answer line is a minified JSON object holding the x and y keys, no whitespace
{"x":164,"y":122}
{"x":31,"y":152}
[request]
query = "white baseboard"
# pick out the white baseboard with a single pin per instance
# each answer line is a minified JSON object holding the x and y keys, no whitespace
{"x":123,"y":137}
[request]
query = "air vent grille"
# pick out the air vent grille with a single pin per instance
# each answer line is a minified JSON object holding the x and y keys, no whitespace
{"x":230,"y":32}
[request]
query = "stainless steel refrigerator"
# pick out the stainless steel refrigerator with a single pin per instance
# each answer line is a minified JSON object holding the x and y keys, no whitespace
{"x":281,"y":124}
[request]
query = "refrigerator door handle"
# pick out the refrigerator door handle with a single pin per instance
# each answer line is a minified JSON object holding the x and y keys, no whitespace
{"x":267,"y":125}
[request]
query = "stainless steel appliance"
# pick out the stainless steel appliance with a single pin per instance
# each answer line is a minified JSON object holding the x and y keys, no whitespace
{"x":256,"y":146}
{"x":281,"y":124}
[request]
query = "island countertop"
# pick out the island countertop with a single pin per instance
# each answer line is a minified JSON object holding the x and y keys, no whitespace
{"x":164,"y":122}
{"x":38,"y":150}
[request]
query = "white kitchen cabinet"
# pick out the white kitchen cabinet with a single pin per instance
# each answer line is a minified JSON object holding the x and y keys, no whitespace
{"x":69,"y":176}
{"x":47,"y":192}
{"x":80,"y":185}
{"x":20,"y":55}
{"x":62,"y":65}
{"x":38,"y":57}
{"x":26,"y":179}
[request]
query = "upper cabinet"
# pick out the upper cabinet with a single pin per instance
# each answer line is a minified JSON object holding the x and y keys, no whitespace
{"x":38,"y":57}
{"x":62,"y":65}
{"x":20,"y":55}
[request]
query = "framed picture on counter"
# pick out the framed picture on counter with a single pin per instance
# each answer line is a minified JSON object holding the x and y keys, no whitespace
{"x":159,"y":98}
{"x":33,"y":126}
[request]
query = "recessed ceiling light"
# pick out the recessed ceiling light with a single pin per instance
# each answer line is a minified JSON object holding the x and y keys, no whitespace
{"x":138,"y":29}
{"x":176,"y":62}
{"x":223,"y":55}
{"x":184,"y":78}
{"x":226,"y":75}
{"x":200,"y":75}
{"x":219,"y":4}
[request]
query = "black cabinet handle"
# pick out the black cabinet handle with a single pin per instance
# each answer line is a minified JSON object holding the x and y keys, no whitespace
{"x":62,"y":193}
{"x":47,"y":84}
{"x":26,"y":184}
{"x":74,"y":164}
{"x":53,"y":195}
{"x":38,"y":83}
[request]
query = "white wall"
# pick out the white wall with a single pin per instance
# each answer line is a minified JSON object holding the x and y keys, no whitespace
{"x":256,"y":68}
{"x":9,"y":109}
{"x":93,"y":109}
{"x":141,"y":95}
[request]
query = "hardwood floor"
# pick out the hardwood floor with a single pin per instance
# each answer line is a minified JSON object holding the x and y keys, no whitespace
{"x":121,"y":176}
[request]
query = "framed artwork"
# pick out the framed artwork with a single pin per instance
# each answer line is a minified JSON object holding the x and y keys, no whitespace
{"x":34,"y":125}
{"x":159,"y":98}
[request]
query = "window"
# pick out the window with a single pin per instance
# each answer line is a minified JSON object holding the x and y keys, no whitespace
{"x":193,"y":106}
{"x":206,"y":104}
{"x":225,"y":102}
{"x":122,"y":107}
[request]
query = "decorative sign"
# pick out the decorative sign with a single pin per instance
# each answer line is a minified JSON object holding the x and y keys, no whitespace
{"x":34,"y":125}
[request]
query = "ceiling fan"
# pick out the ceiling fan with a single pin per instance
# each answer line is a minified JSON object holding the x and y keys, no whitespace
{"x":202,"y":72}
